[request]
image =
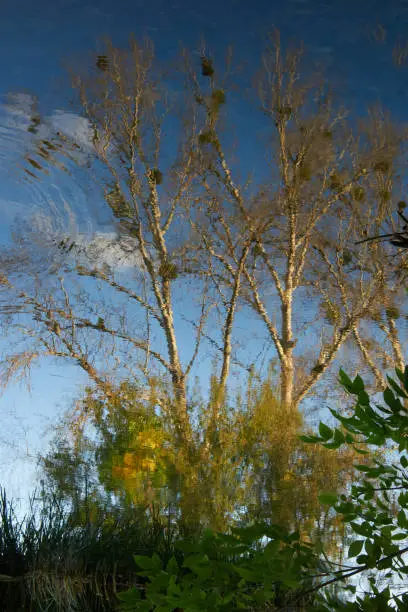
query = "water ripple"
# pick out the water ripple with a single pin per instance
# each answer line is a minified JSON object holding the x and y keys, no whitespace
{"x":43,"y":192}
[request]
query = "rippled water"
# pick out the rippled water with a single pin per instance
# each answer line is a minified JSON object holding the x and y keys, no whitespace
{"x":354,"y":40}
{"x":44,"y":194}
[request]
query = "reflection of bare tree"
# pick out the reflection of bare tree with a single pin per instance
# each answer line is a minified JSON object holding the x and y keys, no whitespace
{"x":142,"y":267}
{"x":189,"y":226}
{"x":320,"y":169}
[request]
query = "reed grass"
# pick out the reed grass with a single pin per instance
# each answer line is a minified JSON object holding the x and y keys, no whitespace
{"x":48,"y":563}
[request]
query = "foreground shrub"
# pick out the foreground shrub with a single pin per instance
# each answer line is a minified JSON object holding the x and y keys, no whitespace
{"x":376,"y":508}
{"x":237,"y":571}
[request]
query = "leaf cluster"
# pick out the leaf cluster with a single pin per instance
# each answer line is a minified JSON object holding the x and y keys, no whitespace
{"x":225,"y":572}
{"x":376,"y":508}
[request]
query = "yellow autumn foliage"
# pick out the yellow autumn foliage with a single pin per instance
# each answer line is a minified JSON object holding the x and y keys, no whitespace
{"x":288,"y":475}
{"x":144,"y":464}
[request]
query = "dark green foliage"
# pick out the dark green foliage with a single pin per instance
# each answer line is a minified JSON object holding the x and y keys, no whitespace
{"x":102,"y":63}
{"x":358,"y":193}
{"x":168,"y":271}
{"x":283,"y":112}
{"x":256,"y":250}
{"x":376,"y":509}
{"x":392,"y":312}
{"x":382,"y":166}
{"x":156,"y":176}
{"x":381,"y":602}
{"x":228,"y":572}
{"x":347,"y":257}
{"x":385,"y":195}
{"x":205,"y":137}
{"x":335,"y":183}
{"x":207,"y":69}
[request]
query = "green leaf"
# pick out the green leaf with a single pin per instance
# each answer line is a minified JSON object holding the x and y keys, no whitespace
{"x":249,"y":574}
{"x":173,"y":588}
{"x":363,"y":529}
{"x":172,"y":566}
{"x":360,"y":451}
{"x":403,"y":376}
{"x":363,"y":398}
{"x":404,"y":461}
{"x":292,"y":583}
{"x":338,"y":440}
{"x":403,"y":499}
{"x":339,"y":437}
{"x":325,"y":431}
{"x":391,"y":401}
{"x":355,"y":548}
{"x":399,"y":372}
{"x":148,"y":563}
{"x":332,"y":445}
{"x":309,"y":439}
{"x":402,"y":520}
{"x":396,"y":387}
{"x":399,"y":536}
{"x":358,"y":385}
{"x":384,"y":563}
{"x":187,"y":546}
{"x":345,"y":381}
{"x":208,"y":534}
{"x":196,"y":561}
{"x":252,"y":533}
{"x":131,"y":601}
{"x":328,"y":498}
